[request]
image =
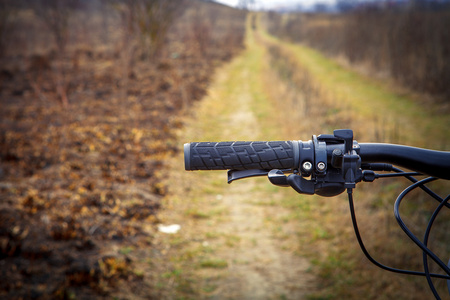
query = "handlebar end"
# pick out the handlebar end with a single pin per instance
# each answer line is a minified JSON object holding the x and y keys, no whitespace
{"x":187,"y":156}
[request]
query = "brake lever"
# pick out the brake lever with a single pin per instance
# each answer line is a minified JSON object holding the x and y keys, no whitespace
{"x":241,"y":174}
{"x":275,"y":176}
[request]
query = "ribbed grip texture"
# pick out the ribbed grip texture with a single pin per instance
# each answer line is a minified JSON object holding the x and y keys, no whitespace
{"x":239,"y":155}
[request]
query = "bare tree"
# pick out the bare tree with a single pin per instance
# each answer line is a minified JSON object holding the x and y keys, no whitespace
{"x":201,"y":32}
{"x":154,"y":18}
{"x":55,"y":14}
{"x":6,"y":12}
{"x":245,"y":4}
{"x":144,"y":28}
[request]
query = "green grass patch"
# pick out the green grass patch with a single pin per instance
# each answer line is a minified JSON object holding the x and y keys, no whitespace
{"x":197,"y":214}
{"x":320,"y":233}
{"x":232,"y":240}
{"x":214,"y":263}
{"x":213,"y":235}
{"x":126,"y":250}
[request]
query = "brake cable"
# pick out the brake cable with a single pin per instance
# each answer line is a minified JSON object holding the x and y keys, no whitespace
{"x":425,"y":241}
{"x":370,"y":258}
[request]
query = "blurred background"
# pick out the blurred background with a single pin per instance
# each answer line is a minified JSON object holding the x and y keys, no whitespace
{"x":93,"y":93}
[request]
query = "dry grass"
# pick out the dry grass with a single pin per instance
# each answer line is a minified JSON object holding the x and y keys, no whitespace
{"x":314,"y":96}
{"x":410,"y":45}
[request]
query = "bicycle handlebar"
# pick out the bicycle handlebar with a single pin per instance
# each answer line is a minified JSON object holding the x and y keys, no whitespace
{"x":430,"y":162}
{"x":286,"y":155}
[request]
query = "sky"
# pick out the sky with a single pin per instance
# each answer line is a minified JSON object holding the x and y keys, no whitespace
{"x":267,"y":4}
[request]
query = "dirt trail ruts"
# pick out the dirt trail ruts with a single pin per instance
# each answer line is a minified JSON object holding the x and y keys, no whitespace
{"x":262,"y":270}
{"x":233,"y":242}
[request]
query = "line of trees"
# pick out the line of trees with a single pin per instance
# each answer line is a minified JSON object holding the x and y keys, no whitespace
{"x":49,"y":38}
{"x":409,"y":43}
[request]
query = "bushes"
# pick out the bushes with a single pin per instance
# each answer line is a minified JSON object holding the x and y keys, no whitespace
{"x":411,"y":45}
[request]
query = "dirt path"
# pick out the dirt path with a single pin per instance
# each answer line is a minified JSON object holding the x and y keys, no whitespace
{"x":260,"y":268}
{"x":235,"y":241}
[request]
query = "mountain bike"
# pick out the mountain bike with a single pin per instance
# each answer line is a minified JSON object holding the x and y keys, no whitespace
{"x":330,"y":164}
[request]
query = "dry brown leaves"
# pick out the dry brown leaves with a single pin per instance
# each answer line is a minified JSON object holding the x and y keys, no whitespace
{"x":80,"y":186}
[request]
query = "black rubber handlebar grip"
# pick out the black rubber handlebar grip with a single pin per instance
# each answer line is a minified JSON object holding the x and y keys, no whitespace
{"x":241,"y":155}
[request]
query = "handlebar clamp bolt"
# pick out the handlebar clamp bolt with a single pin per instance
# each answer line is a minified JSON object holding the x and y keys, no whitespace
{"x":321,"y":166}
{"x":307,"y":166}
